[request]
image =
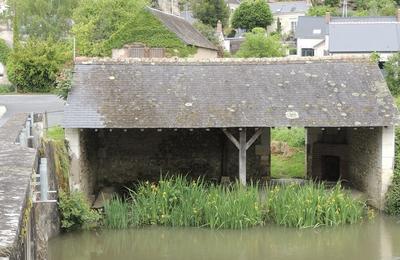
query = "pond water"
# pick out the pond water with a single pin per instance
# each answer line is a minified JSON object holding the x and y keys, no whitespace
{"x":379,"y":239}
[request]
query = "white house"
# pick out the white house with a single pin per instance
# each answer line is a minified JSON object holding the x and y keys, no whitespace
{"x":287,"y":14}
{"x":320,"y":36}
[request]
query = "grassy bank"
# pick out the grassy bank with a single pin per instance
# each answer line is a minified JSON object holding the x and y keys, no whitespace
{"x":178,"y":202}
{"x":293,"y":165}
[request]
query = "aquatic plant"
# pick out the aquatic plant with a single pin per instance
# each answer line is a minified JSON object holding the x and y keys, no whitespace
{"x":116,"y":213}
{"x":179,"y":202}
{"x":312,"y":205}
{"x":75,"y":212}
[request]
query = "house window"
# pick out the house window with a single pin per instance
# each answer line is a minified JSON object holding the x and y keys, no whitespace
{"x":307,"y":52}
{"x":293,"y":26}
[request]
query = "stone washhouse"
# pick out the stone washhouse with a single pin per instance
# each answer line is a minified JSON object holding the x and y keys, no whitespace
{"x":130,"y":120}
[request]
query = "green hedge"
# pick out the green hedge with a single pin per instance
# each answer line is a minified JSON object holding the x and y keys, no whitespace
{"x":4,"y":51}
{"x":34,"y":66}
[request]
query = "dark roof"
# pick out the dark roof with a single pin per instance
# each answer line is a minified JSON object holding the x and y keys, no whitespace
{"x":183,"y":29}
{"x":311,"y":27}
{"x":229,"y":93}
{"x":364,"y":34}
{"x":289,"y":7}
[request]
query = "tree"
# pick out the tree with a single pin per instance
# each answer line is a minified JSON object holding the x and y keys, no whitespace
{"x":376,"y":7}
{"x":33,"y":67}
{"x":42,"y":18}
{"x":251,"y":14}
{"x":332,"y":3}
{"x":392,"y":69}
{"x":258,"y":44}
{"x":210,"y":11}
{"x":320,"y":10}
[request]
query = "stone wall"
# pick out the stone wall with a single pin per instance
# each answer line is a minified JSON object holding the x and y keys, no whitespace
{"x":120,"y":157}
{"x":366,"y":157}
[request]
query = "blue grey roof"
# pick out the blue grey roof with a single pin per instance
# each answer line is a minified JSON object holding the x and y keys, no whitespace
{"x":289,"y":7}
{"x":309,"y":26}
{"x":364,"y":34}
{"x":228,"y":93}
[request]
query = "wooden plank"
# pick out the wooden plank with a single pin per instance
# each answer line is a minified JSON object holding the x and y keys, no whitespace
{"x":242,"y":157}
{"x":231,"y":137}
{"x":254,"y":138}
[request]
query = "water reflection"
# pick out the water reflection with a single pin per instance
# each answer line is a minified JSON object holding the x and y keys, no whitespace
{"x":379,"y":239}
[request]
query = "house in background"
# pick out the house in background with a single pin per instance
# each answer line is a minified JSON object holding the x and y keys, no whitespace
{"x":287,"y":14}
{"x":311,"y":36}
{"x":187,"y":33}
{"x":169,"y":6}
{"x":320,"y":36}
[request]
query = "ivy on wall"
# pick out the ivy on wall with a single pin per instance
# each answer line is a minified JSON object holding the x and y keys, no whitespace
{"x":147,"y":29}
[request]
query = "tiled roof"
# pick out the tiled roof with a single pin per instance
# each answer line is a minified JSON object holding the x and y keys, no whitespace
{"x":289,"y":7}
{"x":183,"y":29}
{"x":230,"y":93}
{"x":311,"y":27}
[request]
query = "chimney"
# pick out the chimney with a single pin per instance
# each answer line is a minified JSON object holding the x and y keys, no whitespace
{"x":219,"y":27}
{"x":328,"y":17}
{"x":398,"y":15}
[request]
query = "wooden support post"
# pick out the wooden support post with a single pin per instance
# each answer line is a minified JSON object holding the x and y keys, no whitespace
{"x":242,"y":156}
{"x":242,"y":145}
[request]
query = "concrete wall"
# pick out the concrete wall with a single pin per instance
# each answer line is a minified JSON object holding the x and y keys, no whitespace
{"x":366,"y":157}
{"x":203,"y":53}
{"x":316,"y":44}
{"x":119,"y":157}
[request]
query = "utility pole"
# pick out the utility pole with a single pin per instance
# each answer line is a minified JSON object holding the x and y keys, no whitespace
{"x":344,"y":11}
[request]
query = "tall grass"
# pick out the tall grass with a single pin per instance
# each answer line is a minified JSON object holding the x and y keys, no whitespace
{"x":312,"y":205}
{"x":179,"y":202}
{"x":116,"y":213}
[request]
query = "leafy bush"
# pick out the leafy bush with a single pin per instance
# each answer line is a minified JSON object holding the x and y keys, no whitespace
{"x":392,"y":68}
{"x":75,"y":212}
{"x":258,"y":44}
{"x":321,"y":10}
{"x":393,"y":194}
{"x":6,"y":89}
{"x":251,"y":14}
{"x":64,"y":83}
{"x":33,"y":67}
{"x":4,"y":52}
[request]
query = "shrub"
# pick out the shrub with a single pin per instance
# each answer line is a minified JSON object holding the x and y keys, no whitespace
{"x":33,"y":67}
{"x":392,"y":69}
{"x":4,"y":52}
{"x":75,"y":212}
{"x":258,"y":44}
{"x":64,"y":83}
